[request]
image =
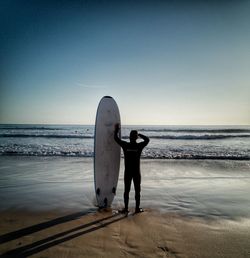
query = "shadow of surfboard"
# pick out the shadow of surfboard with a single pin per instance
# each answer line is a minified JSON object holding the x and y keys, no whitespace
{"x":43,"y":244}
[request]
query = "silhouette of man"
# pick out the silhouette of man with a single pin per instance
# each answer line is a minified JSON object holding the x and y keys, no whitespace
{"x":132,"y":153}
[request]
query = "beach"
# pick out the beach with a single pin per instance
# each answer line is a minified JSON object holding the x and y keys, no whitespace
{"x":105,"y":234}
{"x":193,"y":208}
{"x":162,"y":85}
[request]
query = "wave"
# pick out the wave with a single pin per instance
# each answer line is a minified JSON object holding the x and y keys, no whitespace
{"x":151,"y":155}
{"x":197,"y":157}
{"x":200,"y":137}
{"x":167,"y":137}
{"x":47,"y":136}
{"x":205,"y":130}
{"x":47,"y":153}
{"x":29,"y":128}
{"x":147,"y":129}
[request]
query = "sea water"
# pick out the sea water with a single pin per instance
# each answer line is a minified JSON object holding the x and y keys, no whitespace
{"x":195,"y":171}
{"x":166,"y":142}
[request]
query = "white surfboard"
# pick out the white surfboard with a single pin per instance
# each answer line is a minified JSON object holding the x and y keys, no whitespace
{"x":106,"y":152}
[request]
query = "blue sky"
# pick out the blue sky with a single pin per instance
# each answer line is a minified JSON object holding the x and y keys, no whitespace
{"x":164,"y":62}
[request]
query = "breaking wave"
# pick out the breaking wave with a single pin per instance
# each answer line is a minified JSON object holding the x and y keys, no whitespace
{"x":149,"y":155}
{"x":169,"y":137}
{"x":205,"y":130}
{"x":23,"y":135}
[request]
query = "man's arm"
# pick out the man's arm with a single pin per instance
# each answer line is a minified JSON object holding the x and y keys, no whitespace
{"x":145,"y":140}
{"x":116,"y":137}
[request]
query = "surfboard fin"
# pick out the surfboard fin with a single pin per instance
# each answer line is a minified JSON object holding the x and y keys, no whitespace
{"x":105,"y":202}
{"x":114,"y":190}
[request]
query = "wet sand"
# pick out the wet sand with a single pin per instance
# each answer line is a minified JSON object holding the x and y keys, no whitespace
{"x":108,"y":234}
{"x":193,"y":209}
{"x":207,"y":188}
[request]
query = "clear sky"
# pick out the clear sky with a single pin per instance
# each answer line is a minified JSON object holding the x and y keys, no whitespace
{"x":164,"y":62}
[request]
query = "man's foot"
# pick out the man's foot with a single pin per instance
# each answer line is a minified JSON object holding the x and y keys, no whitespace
{"x":138,"y":210}
{"x":124,"y":211}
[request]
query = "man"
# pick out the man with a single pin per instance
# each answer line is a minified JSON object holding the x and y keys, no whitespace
{"x":132,"y":153}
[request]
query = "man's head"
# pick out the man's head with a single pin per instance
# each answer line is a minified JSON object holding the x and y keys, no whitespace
{"x":133,"y":135}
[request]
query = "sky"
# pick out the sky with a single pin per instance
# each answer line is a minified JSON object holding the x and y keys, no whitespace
{"x":164,"y":62}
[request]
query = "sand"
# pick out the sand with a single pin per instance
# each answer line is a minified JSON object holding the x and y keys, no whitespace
{"x":193,"y":209}
{"x":108,"y":234}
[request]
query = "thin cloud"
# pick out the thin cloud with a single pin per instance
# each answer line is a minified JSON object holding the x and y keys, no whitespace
{"x":90,"y":86}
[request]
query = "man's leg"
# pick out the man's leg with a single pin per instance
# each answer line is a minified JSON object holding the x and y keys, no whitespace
{"x":127,"y":185}
{"x":137,"y":186}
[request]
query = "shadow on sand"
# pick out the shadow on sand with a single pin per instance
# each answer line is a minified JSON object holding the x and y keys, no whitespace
{"x":38,"y":246}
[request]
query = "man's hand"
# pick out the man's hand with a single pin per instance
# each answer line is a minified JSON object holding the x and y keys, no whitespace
{"x":145,"y":138}
{"x":117,"y":127}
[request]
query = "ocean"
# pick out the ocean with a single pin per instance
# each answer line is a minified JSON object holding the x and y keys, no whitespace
{"x":166,"y":142}
{"x":201,"y":171}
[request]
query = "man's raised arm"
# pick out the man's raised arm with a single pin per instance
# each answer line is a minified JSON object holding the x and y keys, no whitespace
{"x":116,"y":137}
{"x":145,"y":139}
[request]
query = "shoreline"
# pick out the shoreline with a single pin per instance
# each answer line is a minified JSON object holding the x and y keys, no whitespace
{"x":201,"y":158}
{"x":108,"y":234}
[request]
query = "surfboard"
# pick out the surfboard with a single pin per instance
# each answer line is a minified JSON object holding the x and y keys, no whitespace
{"x":106,"y":152}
